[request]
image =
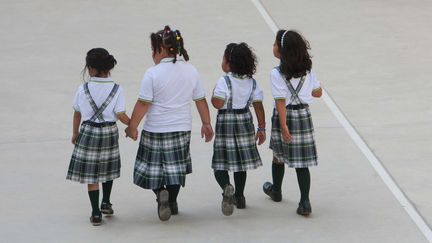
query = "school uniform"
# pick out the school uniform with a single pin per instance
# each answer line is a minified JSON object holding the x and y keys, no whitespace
{"x":163,"y":156}
{"x":301,"y":151}
{"x":96,"y":156}
{"x":234,"y":147}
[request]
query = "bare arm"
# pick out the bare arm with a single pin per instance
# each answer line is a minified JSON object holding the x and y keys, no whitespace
{"x":317,"y":93}
{"x":281,"y":109}
{"x":217,"y":102}
{"x":75,"y":126}
{"x":138,"y":113}
{"x":203,"y":110}
{"x":259,"y":111}
{"x":123,"y":118}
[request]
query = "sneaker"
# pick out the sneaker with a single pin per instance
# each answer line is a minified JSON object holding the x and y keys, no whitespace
{"x":304,"y":208}
{"x":106,"y":208}
{"x":164,"y":211}
{"x":274,"y":195}
{"x":228,"y":200}
{"x":174,"y":208}
{"x":240,"y":202}
{"x":96,"y":220}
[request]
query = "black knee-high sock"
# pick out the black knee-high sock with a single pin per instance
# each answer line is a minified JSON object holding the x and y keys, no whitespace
{"x":173,"y":191}
{"x":106,"y":189}
{"x":278,"y":171}
{"x":94,"y":200}
{"x":240,"y":182}
{"x":303,"y":178}
{"x":157,"y":190}
{"x":222,"y":178}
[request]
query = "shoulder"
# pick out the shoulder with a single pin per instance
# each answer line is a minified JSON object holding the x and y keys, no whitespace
{"x":275,"y":73}
{"x":189,"y":67}
{"x":80,"y":88}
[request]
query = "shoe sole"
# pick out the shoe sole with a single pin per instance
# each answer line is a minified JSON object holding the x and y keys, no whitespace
{"x":164,"y":211}
{"x":107,"y":213}
{"x":228,"y":200}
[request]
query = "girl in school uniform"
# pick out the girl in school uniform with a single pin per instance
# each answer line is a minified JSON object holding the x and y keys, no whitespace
{"x":235,"y":141}
{"x":167,"y":89}
{"x":294,"y":85}
{"x":96,"y":158}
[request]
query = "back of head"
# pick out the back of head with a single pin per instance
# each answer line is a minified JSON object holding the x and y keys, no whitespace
{"x":242,"y":61}
{"x":100,"y":60}
{"x":295,"y":60}
{"x":171,"y":40}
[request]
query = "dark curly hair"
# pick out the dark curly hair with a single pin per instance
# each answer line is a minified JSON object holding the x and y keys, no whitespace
{"x":241,"y":59}
{"x":172,"y":40}
{"x":101,"y":60}
{"x":295,"y":60}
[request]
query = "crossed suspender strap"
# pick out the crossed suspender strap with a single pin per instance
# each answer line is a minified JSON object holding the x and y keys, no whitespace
{"x":294,"y":92}
{"x":98,"y":111}
{"x":229,"y":102}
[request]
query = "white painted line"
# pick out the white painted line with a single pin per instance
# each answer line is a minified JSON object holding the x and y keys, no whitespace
{"x":361,"y":144}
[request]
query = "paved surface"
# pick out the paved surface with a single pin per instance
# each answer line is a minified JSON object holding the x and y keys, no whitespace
{"x":372,"y":57}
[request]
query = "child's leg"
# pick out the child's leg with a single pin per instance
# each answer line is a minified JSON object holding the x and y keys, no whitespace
{"x":222,"y":178}
{"x":278,"y":171}
{"x":240,"y":182}
{"x":106,"y":189}
{"x":303,"y":178}
{"x":173,"y":191}
{"x":93,"y":191}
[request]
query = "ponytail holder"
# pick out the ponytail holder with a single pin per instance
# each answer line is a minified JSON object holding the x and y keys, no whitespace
{"x":171,"y":49}
{"x":178,"y":38}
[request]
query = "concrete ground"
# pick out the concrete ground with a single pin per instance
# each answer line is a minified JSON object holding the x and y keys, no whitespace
{"x":371,"y":56}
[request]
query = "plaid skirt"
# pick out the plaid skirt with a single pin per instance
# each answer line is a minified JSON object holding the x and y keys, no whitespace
{"x":162,"y":159}
{"x":234,"y":147}
{"x":96,"y":156}
{"x":301,"y":151}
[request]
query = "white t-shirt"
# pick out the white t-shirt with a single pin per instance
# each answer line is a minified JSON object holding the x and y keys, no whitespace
{"x":280,"y":89}
{"x":170,"y":88}
{"x":99,"y":89}
{"x":241,"y":90}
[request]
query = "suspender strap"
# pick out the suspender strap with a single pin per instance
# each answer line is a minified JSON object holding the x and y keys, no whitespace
{"x":228,"y":82}
{"x":252,"y":94}
{"x":294,"y":92}
{"x":98,"y":111}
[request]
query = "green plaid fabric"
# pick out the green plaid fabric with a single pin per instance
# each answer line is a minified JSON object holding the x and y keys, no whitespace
{"x":96,"y":156}
{"x":234,"y":147}
{"x":301,"y":151}
{"x":162,"y":159}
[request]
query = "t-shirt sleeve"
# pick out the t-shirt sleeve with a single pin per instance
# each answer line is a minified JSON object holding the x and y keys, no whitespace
{"x":76,"y":100}
{"x":146,"y":89}
{"x":120,"y":106}
{"x":279,"y":87}
{"x":259,"y":94}
{"x":316,"y":84}
{"x":198,"y":91}
{"x":221,"y":90}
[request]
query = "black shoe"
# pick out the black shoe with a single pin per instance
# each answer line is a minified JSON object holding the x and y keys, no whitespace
{"x":106,"y":208}
{"x":240,"y":202}
{"x":274,"y":195}
{"x":304,"y":208}
{"x":96,"y":219}
{"x":164,"y":211}
{"x":228,"y":200}
{"x":174,"y":208}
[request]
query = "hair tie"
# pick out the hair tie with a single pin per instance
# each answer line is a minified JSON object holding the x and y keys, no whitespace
{"x":282,"y":38}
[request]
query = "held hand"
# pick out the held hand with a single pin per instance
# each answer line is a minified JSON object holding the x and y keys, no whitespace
{"x":260,"y":137}
{"x":286,"y":135}
{"x":74,"y":138}
{"x":207,"y":132}
{"x":132,"y":133}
